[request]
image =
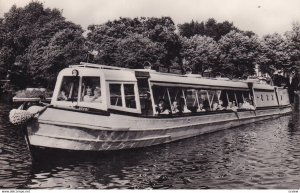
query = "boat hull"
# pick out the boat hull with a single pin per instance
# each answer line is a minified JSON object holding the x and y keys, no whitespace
{"x":68,"y":130}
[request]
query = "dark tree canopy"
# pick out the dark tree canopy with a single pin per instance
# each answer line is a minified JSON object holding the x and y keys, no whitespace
{"x":210,"y":28}
{"x":158,"y":33}
{"x":27,"y":34}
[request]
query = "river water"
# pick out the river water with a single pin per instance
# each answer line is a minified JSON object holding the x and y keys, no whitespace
{"x":263,"y":155}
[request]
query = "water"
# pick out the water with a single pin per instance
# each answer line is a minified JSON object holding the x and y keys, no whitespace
{"x":263,"y":155}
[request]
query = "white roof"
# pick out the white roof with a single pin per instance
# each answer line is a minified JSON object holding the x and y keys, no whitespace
{"x":187,"y":81}
{"x":157,"y":78}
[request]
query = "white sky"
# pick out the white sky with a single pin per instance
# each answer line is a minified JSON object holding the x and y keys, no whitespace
{"x":260,"y":16}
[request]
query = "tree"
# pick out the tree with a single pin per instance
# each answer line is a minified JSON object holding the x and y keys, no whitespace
{"x":48,"y":57}
{"x":105,"y":38}
{"x":238,"y":54}
{"x":293,"y":43}
{"x":201,"y":53}
{"x":210,"y":28}
{"x":29,"y":30}
{"x":273,"y":53}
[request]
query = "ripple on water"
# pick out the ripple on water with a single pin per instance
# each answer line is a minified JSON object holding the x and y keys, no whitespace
{"x":260,"y":155}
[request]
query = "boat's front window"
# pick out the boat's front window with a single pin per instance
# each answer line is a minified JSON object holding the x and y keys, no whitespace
{"x":90,"y":90}
{"x":69,"y":89}
{"x":115,"y":94}
{"x":129,"y":96}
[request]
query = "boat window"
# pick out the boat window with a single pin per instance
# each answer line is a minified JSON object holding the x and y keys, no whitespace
{"x":129,"y":96}
{"x":203,"y":98}
{"x":262,"y":97}
{"x":192,"y":101}
{"x":115,"y":94}
{"x":90,"y":90}
{"x":162,"y":100}
{"x":69,"y":89}
{"x":145,"y":97}
{"x":267,"y":97}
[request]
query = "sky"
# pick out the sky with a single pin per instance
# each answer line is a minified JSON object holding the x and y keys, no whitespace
{"x":260,"y":16}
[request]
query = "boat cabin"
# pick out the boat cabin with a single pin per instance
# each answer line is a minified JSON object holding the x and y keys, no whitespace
{"x":149,"y":93}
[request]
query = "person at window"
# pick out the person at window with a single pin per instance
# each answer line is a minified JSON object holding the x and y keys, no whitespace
{"x":97,"y":95}
{"x":89,"y":95}
{"x":162,"y":109}
{"x":220,"y":105}
{"x":176,"y":109}
{"x":234,"y":107}
{"x":247,"y":105}
{"x":62,"y":96}
{"x":229,"y":105}
{"x":215,"y":106}
{"x":201,"y":108}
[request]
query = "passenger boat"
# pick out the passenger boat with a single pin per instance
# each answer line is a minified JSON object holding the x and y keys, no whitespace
{"x":99,"y":108}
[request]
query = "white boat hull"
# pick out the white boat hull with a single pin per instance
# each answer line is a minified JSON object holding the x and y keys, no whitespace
{"x":69,"y":130}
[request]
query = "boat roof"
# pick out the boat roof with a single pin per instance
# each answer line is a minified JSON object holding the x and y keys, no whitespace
{"x":117,"y":74}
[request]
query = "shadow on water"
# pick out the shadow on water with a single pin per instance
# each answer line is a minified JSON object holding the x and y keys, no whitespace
{"x":260,"y":155}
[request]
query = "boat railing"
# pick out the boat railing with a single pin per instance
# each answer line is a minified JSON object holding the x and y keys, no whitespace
{"x":101,"y":66}
{"x":98,"y":66}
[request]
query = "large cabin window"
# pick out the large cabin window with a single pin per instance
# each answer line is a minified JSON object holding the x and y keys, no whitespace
{"x":69,"y":89}
{"x":174,"y":100}
{"x":123,"y":97}
{"x":90,"y":90}
{"x":115,"y":94}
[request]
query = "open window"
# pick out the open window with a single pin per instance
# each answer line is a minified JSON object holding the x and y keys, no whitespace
{"x":69,"y":89}
{"x":123,"y":97}
{"x":90,"y":90}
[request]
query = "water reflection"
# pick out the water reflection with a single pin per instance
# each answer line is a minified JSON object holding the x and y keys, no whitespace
{"x":261,"y":155}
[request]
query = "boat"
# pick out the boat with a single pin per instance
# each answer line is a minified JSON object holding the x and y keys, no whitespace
{"x":97,"y":108}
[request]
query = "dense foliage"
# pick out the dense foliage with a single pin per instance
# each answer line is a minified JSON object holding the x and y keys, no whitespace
{"x":37,"y":42}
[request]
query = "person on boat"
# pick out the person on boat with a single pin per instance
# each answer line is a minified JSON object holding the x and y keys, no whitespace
{"x":176,"y":109}
{"x":62,"y":96}
{"x":201,"y":108}
{"x":247,"y":105}
{"x":97,"y":95}
{"x":162,"y":109}
{"x":215,"y":106}
{"x":220,"y":105}
{"x":234,"y":107}
{"x":89,"y":95}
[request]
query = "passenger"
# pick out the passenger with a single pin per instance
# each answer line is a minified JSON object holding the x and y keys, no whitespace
{"x":215,"y":106}
{"x":245,"y":105}
{"x":97,"y":95}
{"x":88,"y":97}
{"x":201,"y":108}
{"x":162,"y":109}
{"x":62,"y":96}
{"x":234,"y":107}
{"x":176,"y":109}
{"x":220,"y":105}
{"x":229,"y":105}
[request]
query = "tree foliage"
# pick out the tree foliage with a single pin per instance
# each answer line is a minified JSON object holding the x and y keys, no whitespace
{"x":156,"y":33}
{"x":200,"y":53}
{"x":238,"y":54}
{"x":273,"y":53}
{"x":293,"y":43}
{"x":28,"y":37}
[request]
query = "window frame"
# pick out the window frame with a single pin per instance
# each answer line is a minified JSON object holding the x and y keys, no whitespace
{"x":85,"y":72}
{"x":123,"y":107}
